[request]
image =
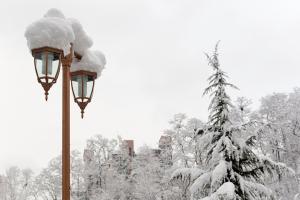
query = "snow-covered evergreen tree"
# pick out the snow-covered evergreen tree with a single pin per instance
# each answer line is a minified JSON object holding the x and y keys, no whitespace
{"x":234,"y":171}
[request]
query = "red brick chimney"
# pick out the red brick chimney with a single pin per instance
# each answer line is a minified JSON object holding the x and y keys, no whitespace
{"x":129,"y":144}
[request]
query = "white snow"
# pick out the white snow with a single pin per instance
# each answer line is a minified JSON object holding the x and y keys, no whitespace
{"x":82,"y":41}
{"x":297,"y":196}
{"x":200,"y":182}
{"x":206,"y":198}
{"x":92,"y":61}
{"x":224,"y":141}
{"x":225,"y":192}
{"x":278,"y":166}
{"x":187,"y":173}
{"x":219,"y":173}
{"x":53,"y":12}
{"x":53,"y":30}
{"x":195,"y":173}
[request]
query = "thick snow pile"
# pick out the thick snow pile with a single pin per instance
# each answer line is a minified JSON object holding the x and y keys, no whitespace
{"x":201,"y":182}
{"x":53,"y":30}
{"x":225,"y":192}
{"x":92,"y":61}
{"x":219,"y":173}
{"x":82,"y":41}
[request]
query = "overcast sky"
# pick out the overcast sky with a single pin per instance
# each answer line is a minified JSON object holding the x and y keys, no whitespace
{"x":155,"y":67}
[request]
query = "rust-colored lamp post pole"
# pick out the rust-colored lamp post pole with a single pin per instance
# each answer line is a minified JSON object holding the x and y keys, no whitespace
{"x":66,"y":64}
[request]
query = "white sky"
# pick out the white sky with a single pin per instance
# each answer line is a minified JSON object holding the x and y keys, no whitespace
{"x":155,"y":67}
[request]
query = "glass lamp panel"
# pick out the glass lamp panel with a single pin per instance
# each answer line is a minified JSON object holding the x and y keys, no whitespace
{"x":82,"y":89}
{"x":90,"y":84}
{"x":53,"y":64}
{"x":39,"y":63}
{"x":75,"y":85}
{"x":44,"y":63}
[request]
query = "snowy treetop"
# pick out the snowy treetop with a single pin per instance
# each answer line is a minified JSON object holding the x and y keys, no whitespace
{"x":56,"y":31}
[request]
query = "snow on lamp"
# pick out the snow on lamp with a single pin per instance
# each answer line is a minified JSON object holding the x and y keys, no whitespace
{"x":49,"y":39}
{"x":83,"y":75}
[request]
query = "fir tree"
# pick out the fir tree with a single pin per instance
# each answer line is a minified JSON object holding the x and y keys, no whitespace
{"x":234,"y":171}
{"x":220,"y":103}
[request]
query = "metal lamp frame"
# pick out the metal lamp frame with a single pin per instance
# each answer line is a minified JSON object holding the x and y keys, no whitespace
{"x":49,"y":81}
{"x":84,"y":100}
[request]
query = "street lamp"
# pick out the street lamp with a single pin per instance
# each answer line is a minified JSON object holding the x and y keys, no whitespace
{"x":47,"y":66}
{"x":56,"y":42}
{"x":83,"y":83}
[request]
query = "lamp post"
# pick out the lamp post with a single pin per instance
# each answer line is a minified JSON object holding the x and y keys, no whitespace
{"x":47,"y":66}
{"x":48,"y":60}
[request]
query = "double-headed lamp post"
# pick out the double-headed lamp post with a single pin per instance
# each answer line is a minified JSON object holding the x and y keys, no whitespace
{"x":47,"y":62}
